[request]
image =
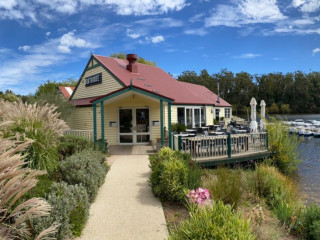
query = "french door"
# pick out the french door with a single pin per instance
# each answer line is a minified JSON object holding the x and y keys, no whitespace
{"x":134,"y":126}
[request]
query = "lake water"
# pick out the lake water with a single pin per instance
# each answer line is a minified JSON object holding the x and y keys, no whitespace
{"x":309,"y":168}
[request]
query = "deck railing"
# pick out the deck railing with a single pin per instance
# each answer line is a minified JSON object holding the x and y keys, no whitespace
{"x":221,"y":146}
{"x":80,"y":133}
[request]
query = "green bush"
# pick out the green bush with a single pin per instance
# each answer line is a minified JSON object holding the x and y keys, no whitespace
{"x":268,"y":183}
{"x":213,"y":222}
{"x":283,"y":147}
{"x":84,"y":168}
{"x":70,"y":208}
{"x":228,"y":186}
{"x":311,"y":223}
{"x":178,"y":127}
{"x":173,"y":174}
{"x":69,"y":145}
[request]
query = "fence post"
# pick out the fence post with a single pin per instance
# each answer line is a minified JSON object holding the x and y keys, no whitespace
{"x":229,"y":144}
{"x":173,"y":141}
{"x":179,"y":143}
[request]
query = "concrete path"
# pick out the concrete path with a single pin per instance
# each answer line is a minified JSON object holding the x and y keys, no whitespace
{"x":125,"y":207}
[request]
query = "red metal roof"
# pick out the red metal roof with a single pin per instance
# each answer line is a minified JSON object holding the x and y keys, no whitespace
{"x":66,"y":91}
{"x":155,"y":80}
{"x":83,"y":101}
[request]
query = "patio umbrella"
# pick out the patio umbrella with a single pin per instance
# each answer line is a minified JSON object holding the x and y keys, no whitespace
{"x":253,"y":124}
{"x":263,"y":115}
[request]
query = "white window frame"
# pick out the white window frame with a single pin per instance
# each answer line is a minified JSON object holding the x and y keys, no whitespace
{"x":227,"y":111}
{"x":193,"y":117}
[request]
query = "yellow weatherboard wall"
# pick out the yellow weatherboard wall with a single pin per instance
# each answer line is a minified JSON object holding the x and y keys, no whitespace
{"x":109,"y":84}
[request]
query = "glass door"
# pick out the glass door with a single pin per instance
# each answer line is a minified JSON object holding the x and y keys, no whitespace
{"x":125,"y":126}
{"x":142,"y":125}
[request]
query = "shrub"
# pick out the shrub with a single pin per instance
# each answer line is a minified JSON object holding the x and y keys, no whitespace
{"x":173,"y":174}
{"x":84,"y":168}
{"x":70,"y":207}
{"x":283,"y":147}
{"x":311,"y":223}
{"x":178,"y":127}
{"x":69,"y":145}
{"x":227,"y":187}
{"x":268,"y":183}
{"x":213,"y":222}
{"x":39,"y":123}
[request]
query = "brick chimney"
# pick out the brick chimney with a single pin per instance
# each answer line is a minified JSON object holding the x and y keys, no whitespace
{"x":132,"y":65}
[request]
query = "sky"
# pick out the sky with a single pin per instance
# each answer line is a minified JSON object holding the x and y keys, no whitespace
{"x":44,"y":40}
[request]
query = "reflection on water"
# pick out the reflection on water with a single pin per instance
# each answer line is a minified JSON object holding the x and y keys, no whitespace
{"x":309,"y":168}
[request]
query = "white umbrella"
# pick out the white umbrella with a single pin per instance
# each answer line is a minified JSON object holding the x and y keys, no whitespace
{"x":263,"y":115}
{"x":253,"y":124}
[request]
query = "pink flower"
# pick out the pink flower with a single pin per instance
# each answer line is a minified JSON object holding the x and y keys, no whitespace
{"x":199,"y":196}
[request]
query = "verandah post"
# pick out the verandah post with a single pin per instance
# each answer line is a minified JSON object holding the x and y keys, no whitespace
{"x":94,"y":122}
{"x":102,"y":122}
{"x":229,"y":144}
{"x":161,"y":122}
{"x":179,"y":143}
{"x":169,"y":125}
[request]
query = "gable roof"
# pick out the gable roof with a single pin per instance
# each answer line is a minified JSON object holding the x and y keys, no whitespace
{"x":154,"y":79}
{"x":66,"y":91}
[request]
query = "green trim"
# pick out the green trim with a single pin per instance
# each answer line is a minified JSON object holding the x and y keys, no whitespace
{"x":169,"y":125}
{"x":151,"y":95}
{"x":234,"y":159}
{"x":94,"y":122}
{"x":102,"y":121}
{"x":267,"y":140}
{"x":93,"y":66}
{"x":111,"y":96}
{"x":161,"y":122}
{"x":131,"y":88}
{"x":229,"y":145}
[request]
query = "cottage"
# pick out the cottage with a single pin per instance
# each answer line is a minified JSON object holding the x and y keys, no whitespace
{"x":129,"y":103}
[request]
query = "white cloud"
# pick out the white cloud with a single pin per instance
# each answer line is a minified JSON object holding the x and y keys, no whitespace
{"x":48,"y":34}
{"x":245,"y":12}
{"x":315,"y":51}
{"x":196,"y":31}
{"x":196,"y":18}
{"x":307,"y":6}
{"x":24,"y":48}
{"x":248,"y":55}
{"x":68,"y":40}
{"x":33,"y":9}
{"x":155,"y":39}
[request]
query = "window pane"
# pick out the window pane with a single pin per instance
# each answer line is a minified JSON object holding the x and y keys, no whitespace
{"x":125,"y":116}
{"x":142,"y":118}
{"x":227,"y":112}
{"x":217,"y":114}
{"x":203,"y":117}
{"x":181,"y":116}
{"x":189,"y":117}
{"x":197,"y":117}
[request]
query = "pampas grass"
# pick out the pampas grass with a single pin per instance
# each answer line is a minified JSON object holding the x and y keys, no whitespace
{"x":40,"y":123}
{"x":15,"y":181}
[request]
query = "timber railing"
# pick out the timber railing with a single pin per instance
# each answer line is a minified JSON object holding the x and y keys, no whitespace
{"x":80,"y":133}
{"x":221,"y":146}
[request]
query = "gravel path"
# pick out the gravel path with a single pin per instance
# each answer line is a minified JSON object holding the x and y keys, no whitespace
{"x":125,"y":207}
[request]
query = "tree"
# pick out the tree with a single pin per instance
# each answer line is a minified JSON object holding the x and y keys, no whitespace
{"x":285,"y":108}
{"x":123,"y":55}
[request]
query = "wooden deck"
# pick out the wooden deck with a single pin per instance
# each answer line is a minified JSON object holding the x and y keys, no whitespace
{"x":237,"y":158}
{"x":131,"y":149}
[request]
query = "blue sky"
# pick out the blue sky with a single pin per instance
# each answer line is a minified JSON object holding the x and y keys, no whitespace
{"x":42,"y":39}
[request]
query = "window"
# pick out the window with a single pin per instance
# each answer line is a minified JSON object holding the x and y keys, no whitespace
{"x":227,"y":112}
{"x":181,"y":118}
{"x":217,"y":114}
{"x":192,"y":117}
{"x":203,"y":117}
